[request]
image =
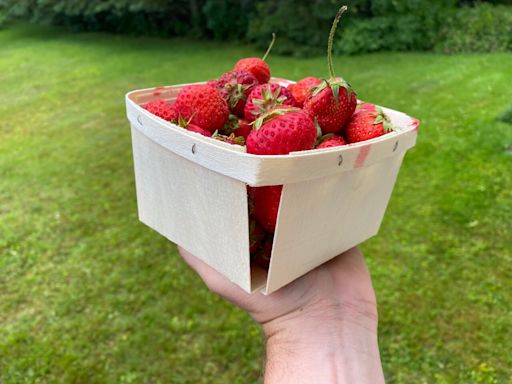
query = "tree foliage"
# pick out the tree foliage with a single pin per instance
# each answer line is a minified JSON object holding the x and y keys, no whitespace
{"x":301,"y":25}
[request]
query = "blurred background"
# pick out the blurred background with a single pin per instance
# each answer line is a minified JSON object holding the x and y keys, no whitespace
{"x":90,"y":295}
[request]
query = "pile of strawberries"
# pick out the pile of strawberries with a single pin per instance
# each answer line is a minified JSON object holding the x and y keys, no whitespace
{"x":241,"y":107}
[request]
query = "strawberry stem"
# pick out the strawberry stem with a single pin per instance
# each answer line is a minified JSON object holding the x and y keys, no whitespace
{"x":330,"y":65}
{"x":269,"y":47}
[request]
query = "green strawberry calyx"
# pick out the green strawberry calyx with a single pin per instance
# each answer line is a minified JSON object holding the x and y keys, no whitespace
{"x":335,"y":84}
{"x":232,"y":139}
{"x":266,"y":117}
{"x":381,"y":118}
{"x":230,"y":125}
{"x":236,"y":92}
{"x":183,"y":123}
{"x":268,"y":100}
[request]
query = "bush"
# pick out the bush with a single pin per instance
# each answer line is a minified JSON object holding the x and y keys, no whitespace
{"x":301,"y":26}
{"x":150,"y":17}
{"x":371,"y":25}
{"x":228,"y":19}
{"x":483,"y":28}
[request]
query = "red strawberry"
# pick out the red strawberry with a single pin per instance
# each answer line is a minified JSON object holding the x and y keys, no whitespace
{"x":257,"y":66}
{"x":265,"y":97}
{"x":235,"y":86}
{"x":331,"y":105}
{"x":266,"y":205}
{"x":256,"y":235}
{"x":202,"y":105}
{"x":366,"y":107}
{"x":281,"y":131}
{"x":244,"y":128}
{"x":262,"y":256}
{"x":162,"y":109}
{"x":195,"y":128}
{"x":330,"y":140}
{"x":366,"y":125}
{"x":278,"y":132}
{"x":333,"y":101}
{"x":301,"y":90}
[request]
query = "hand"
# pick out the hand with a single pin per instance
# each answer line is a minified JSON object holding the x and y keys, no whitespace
{"x":321,"y":328}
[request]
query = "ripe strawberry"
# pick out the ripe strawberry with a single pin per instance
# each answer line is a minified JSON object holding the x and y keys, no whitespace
{"x":191,"y":127}
{"x":257,"y":66}
{"x":266,"y":205}
{"x":333,"y":101}
{"x":281,"y":131}
{"x":202,"y":105}
{"x":366,"y":107}
{"x":162,"y":109}
{"x":244,"y":128}
{"x":278,"y":132}
{"x":265,"y":97}
{"x":302,"y":89}
{"x":366,"y":125}
{"x":256,"y":235}
{"x":262,"y":256}
{"x":235,"y":86}
{"x":195,"y":128}
{"x":330,"y":140}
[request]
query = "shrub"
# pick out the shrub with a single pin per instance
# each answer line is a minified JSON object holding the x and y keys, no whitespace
{"x":301,"y":26}
{"x":371,"y":25}
{"x":228,"y":19}
{"x":151,"y":17}
{"x":483,"y":28}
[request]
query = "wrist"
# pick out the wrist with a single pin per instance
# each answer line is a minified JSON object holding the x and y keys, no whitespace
{"x":324,"y":343}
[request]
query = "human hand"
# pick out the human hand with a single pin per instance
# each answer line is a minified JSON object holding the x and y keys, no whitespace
{"x":321,"y":328}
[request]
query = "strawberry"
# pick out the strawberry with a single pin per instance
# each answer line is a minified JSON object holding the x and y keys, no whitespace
{"x":281,"y":131}
{"x":244,"y":128}
{"x":278,"y":132}
{"x":257,"y":66}
{"x":333,"y":101}
{"x":162,"y":109}
{"x":262,"y":256}
{"x":330,"y":140}
{"x":265,"y":97}
{"x":256,"y":235}
{"x":202,"y":105}
{"x":366,"y":125}
{"x":191,"y":127}
{"x":302,"y":89}
{"x":195,"y":128}
{"x":235,"y":86}
{"x":367,"y":107}
{"x":266,"y":205}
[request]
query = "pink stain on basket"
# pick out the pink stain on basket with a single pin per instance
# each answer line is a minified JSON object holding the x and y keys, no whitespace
{"x":157,"y":93}
{"x":361,"y":156}
{"x":415,"y":123}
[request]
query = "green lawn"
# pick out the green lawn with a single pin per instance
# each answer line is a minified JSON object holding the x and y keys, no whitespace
{"x":90,"y":295}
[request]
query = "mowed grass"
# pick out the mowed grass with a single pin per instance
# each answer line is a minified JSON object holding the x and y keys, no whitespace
{"x":90,"y":295}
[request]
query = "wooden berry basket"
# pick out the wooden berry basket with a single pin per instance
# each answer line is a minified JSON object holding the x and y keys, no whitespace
{"x":192,"y":189}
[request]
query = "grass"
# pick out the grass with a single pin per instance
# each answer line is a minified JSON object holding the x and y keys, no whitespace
{"x":90,"y":295}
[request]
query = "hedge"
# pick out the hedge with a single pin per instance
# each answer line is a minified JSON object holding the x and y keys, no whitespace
{"x":449,"y":26}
